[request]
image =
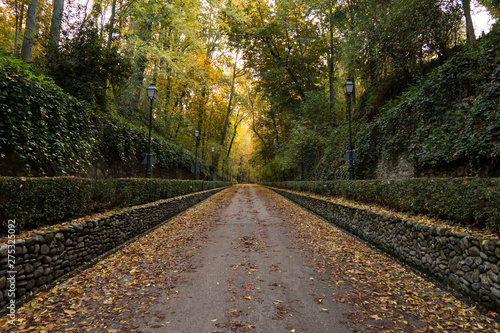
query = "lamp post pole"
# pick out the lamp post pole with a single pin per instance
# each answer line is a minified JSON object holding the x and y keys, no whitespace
{"x":152,"y":95}
{"x":213,"y":171}
{"x":197,"y":134}
{"x":351,"y":166}
{"x":348,"y":89}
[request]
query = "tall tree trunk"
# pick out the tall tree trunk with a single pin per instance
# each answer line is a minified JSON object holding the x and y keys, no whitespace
{"x":111,"y":24}
{"x":469,"y":26}
{"x":236,"y":124}
{"x":331,"y":69}
{"x":141,"y":67}
{"x":228,"y":113}
{"x":55,"y":30}
{"x":19,"y":26}
{"x":29,"y":31}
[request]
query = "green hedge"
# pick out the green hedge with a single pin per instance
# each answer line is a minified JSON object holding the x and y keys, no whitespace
{"x":470,"y":201}
{"x":36,"y":202}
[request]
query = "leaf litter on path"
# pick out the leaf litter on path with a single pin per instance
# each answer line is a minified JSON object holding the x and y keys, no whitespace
{"x":112,"y":294}
{"x":384,"y":295}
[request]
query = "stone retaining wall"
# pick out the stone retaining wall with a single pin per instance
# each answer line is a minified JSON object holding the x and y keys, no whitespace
{"x":46,"y":256}
{"x":467,"y":263}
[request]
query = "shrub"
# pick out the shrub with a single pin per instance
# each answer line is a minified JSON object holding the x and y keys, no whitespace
{"x":36,"y":202}
{"x":470,"y":201}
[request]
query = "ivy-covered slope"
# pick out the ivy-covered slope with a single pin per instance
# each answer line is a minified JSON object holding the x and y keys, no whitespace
{"x":45,"y":131}
{"x":450,"y":118}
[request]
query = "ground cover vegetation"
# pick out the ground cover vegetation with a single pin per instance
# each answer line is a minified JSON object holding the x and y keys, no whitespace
{"x":262,"y":80}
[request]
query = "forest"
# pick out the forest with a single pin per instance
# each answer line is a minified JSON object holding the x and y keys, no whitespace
{"x":261,"y":79}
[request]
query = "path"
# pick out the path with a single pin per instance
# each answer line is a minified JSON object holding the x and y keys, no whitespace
{"x":248,"y":275}
{"x":247,"y":260}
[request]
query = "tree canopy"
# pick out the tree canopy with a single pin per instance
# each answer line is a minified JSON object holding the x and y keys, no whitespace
{"x":262,"y":80}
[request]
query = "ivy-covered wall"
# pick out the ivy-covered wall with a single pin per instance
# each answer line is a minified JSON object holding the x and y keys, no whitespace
{"x":446,"y":125}
{"x":44,"y":131}
{"x":470,"y":201}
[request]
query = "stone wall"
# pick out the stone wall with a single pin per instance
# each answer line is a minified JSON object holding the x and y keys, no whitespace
{"x":394,"y":170}
{"x":46,"y":256}
{"x":465,"y":262}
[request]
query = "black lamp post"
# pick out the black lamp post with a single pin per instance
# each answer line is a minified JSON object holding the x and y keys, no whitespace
{"x":151,"y":89}
{"x":213,"y":167}
{"x":348,"y":89}
{"x":197,"y":134}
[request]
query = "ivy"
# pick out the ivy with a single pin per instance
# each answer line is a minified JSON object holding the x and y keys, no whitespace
{"x":46,"y":128}
{"x":465,"y":201}
{"x":451,"y":115}
{"x":49,"y":132}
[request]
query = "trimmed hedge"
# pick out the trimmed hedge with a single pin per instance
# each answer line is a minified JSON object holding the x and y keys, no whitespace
{"x":470,"y":201}
{"x":36,"y":202}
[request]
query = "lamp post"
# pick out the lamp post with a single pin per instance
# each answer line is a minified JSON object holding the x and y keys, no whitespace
{"x":151,"y":89}
{"x":213,"y":168}
{"x":197,"y":135}
{"x":348,"y":89}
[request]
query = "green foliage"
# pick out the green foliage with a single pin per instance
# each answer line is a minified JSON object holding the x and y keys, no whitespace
{"x":451,"y":115}
{"x":390,"y":55}
{"x":128,"y":142}
{"x":46,"y":128}
{"x":468,"y":201}
{"x":83,"y":66}
{"x":493,"y":7}
{"x":51,"y":132}
{"x":36,"y":202}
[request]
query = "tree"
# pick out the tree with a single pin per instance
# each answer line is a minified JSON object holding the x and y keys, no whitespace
{"x":469,"y":26}
{"x":86,"y":66}
{"x":55,"y":30}
{"x":111,"y":23}
{"x":29,"y":31}
{"x":229,"y":104}
{"x":394,"y":46}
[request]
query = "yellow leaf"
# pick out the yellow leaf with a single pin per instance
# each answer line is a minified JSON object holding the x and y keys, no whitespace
{"x":69,"y":312}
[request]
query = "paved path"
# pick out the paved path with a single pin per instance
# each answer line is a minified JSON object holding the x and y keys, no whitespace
{"x":247,"y":260}
{"x":248,"y":276}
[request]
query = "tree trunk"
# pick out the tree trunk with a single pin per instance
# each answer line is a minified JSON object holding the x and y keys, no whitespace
{"x":331,"y":69}
{"x":19,"y":26}
{"x":141,"y":67}
{"x":29,"y":31}
{"x":469,"y":26}
{"x":228,"y":113}
{"x":55,"y":30}
{"x":111,"y":24}
{"x":236,"y":124}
